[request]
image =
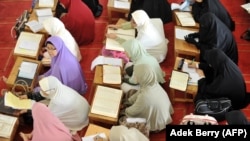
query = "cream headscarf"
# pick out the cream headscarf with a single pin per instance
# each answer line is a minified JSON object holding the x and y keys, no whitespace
{"x":65,"y":103}
{"x":138,"y":55}
{"x":55,"y":27}
{"x":148,"y":34}
{"x":122,"y":133}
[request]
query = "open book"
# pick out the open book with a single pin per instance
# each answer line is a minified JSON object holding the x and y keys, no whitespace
{"x":106,"y":101}
{"x":194,"y":76}
{"x":15,"y":102}
{"x":44,"y":14}
{"x":112,"y":74}
{"x":28,"y":44}
{"x":185,"y":18}
{"x":7,"y":124}
{"x":112,"y":44}
{"x":46,"y":3}
{"x":179,"y":80}
{"x":27,"y":70}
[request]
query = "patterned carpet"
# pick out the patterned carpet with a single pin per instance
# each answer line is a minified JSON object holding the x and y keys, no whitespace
{"x":11,"y":9}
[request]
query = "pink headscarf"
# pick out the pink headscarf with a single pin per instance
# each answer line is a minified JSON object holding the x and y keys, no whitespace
{"x":47,"y":127}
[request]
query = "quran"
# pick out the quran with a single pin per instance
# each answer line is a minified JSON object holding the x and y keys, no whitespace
{"x":179,"y":80}
{"x":185,"y":18}
{"x":112,"y":74}
{"x":112,"y":44}
{"x":106,"y":101}
{"x":7,"y":125}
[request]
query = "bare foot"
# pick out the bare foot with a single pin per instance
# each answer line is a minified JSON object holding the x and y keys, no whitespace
{"x":25,"y":137}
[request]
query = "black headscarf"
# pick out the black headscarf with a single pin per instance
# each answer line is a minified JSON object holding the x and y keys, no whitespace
{"x":154,"y":9}
{"x":216,"y":7}
{"x":214,"y":33}
{"x":236,"y":117}
{"x":227,"y":80}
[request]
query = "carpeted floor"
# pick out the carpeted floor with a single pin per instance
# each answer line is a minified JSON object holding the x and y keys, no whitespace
{"x":11,"y":9}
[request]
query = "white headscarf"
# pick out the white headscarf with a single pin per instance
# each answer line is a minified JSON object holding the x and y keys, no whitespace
{"x":55,"y":27}
{"x":69,"y":106}
{"x":122,"y":133}
{"x":148,"y":34}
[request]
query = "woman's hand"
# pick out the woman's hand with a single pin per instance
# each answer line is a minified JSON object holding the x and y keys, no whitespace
{"x":200,"y":72}
{"x":111,"y":35}
{"x":192,"y":65}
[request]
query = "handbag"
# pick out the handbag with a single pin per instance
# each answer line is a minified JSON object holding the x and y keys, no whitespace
{"x":216,"y":108}
{"x":20,"y":24}
{"x":193,"y":119}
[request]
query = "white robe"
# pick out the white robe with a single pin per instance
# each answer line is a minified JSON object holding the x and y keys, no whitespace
{"x":68,"y":105}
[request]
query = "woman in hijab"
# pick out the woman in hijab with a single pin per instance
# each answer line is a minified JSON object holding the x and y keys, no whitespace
{"x":122,"y":133}
{"x":46,"y":126}
{"x":64,"y":65}
{"x":226,"y":80}
{"x":65,"y":103}
{"x":138,"y":55}
{"x":201,"y":7}
{"x":55,"y":27}
{"x":154,"y":8}
{"x":78,"y":20}
{"x":151,"y":101}
{"x":150,"y":33}
{"x":214,"y":33}
{"x":236,"y":117}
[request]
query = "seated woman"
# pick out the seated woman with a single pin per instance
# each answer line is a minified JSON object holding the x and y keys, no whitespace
{"x":65,"y":103}
{"x":78,"y":20}
{"x":214,"y":33}
{"x":64,"y":65}
{"x":150,"y":33}
{"x":201,"y":7}
{"x":225,"y":80}
{"x":55,"y":27}
{"x":138,"y":55}
{"x":154,"y":8}
{"x":151,"y":101}
{"x":47,"y":126}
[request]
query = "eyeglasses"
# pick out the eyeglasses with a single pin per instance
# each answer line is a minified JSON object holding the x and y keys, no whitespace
{"x":52,"y":89}
{"x":50,"y":48}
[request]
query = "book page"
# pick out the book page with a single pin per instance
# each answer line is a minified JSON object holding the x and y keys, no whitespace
{"x":128,"y":32}
{"x":181,"y":33}
{"x":179,"y":80}
{"x":112,"y":74}
{"x":28,"y":43}
{"x":46,"y":3}
{"x":106,"y":101}
{"x":121,"y":4}
{"x":246,"y":7}
{"x":185,"y":18}
{"x":34,"y":25}
{"x":112,"y":44}
{"x":44,"y":12}
{"x":194,"y":76}
{"x":15,"y":102}
{"x":27,"y":70}
{"x":7,"y":124}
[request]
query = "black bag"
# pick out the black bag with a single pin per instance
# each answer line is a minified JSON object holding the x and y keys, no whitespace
{"x":216,"y":108}
{"x":20,"y":24}
{"x":246,"y":35}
